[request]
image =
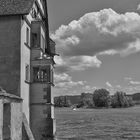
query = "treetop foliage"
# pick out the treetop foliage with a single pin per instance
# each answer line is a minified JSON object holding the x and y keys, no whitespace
{"x":99,"y":98}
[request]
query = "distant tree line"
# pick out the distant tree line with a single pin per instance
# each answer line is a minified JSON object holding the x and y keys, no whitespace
{"x":99,"y":98}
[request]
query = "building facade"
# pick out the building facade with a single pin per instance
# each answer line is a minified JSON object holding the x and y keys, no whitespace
{"x":26,"y":60}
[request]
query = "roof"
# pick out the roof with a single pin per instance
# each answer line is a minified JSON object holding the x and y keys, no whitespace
{"x":51,"y":41}
{"x":4,"y":94}
{"x":8,"y":95}
{"x":15,"y":7}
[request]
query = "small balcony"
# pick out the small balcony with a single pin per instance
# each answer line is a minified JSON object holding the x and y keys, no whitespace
{"x":41,"y":61}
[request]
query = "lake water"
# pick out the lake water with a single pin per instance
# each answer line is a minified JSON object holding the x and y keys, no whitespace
{"x":98,"y":124}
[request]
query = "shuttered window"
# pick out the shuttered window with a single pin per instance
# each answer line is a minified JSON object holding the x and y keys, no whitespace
{"x":27,"y":73}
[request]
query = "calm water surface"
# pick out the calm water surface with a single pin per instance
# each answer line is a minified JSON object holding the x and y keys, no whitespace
{"x":98,"y":124}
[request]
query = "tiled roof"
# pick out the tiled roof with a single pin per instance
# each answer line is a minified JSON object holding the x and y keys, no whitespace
{"x":15,"y":7}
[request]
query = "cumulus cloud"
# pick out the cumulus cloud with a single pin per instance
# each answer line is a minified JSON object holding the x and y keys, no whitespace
{"x":104,"y":32}
{"x":65,"y":81}
{"x":76,"y":63}
{"x":131,"y":81}
{"x":138,"y":7}
{"x":132,"y":89}
{"x":88,"y":88}
{"x":62,"y":78}
{"x":118,"y":86}
{"x":109,"y":84}
{"x":133,"y":47}
{"x":127,"y":78}
{"x":135,"y":82}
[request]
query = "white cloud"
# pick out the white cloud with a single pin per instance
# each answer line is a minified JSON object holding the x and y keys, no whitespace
{"x":138,"y":8}
{"x":108,"y":52}
{"x":62,"y":78}
{"x":131,"y":81}
{"x":89,"y":88}
{"x":76,"y":63}
{"x":132,"y":89}
{"x":109,"y":84}
{"x":127,"y":78}
{"x":133,"y":47}
{"x":118,"y":86}
{"x":97,"y":33}
{"x":135,"y":82}
{"x":83,"y":62}
{"x":65,"y":81}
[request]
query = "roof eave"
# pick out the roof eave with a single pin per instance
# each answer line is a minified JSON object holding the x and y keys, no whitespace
{"x":14,"y":14}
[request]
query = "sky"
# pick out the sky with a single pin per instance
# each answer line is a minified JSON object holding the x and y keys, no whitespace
{"x":99,"y":45}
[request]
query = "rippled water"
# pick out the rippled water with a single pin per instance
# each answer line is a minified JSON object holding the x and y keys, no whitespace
{"x":98,"y":124}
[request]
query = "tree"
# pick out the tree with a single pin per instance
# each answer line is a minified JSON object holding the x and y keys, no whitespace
{"x":86,"y":100}
{"x":120,"y":99}
{"x":101,"y":98}
{"x":67,"y":102}
{"x":130,"y":101}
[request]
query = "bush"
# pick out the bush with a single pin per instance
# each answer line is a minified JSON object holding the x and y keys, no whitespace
{"x":101,"y":98}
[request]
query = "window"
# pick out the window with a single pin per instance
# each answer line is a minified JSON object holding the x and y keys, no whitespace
{"x":34,"y":40}
{"x":40,"y":75}
{"x":43,"y":74}
{"x":27,"y":36}
{"x":51,"y":80}
{"x":27,"y":73}
{"x":42,"y":42}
